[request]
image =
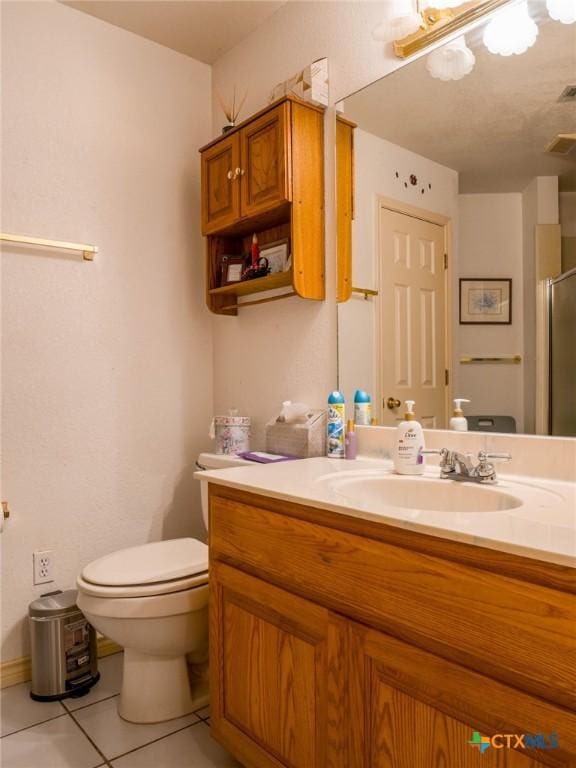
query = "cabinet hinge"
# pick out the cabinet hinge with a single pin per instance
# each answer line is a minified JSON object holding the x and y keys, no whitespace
{"x":445,"y":261}
{"x":446,"y":376}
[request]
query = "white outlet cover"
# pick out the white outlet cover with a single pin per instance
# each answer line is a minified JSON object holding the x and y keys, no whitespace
{"x":43,"y":566}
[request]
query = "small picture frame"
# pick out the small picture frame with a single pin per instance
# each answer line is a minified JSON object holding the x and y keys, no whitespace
{"x":277,"y":255}
{"x":485,"y":301}
{"x":231,"y":269}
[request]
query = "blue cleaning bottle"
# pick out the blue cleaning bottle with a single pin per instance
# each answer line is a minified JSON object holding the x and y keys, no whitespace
{"x":335,"y":437}
{"x":362,"y":408}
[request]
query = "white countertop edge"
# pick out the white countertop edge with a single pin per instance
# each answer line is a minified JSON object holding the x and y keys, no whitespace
{"x":557,"y":558}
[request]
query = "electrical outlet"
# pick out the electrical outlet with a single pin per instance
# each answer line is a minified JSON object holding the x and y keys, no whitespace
{"x":43,"y":566}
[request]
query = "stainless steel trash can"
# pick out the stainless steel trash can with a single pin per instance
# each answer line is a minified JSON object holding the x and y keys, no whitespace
{"x":64,"y":660}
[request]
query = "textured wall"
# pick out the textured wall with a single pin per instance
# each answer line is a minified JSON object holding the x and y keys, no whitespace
{"x":107,"y":366}
{"x":287,"y":349}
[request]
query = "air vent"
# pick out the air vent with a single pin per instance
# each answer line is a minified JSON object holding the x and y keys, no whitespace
{"x":568,"y":94}
{"x":562,"y":144}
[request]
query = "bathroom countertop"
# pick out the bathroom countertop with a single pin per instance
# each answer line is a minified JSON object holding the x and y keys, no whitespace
{"x":542,"y":527}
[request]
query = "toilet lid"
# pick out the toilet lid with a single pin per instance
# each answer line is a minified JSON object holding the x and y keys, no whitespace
{"x":149,"y":563}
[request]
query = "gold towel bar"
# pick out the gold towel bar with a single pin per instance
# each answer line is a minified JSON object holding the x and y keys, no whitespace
{"x":513,"y":359}
{"x":366,"y":291}
{"x":262,"y":301}
{"x":88,"y":251}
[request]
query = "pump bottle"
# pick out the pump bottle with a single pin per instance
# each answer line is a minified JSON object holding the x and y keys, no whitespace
{"x":408,"y":459}
{"x":458,"y":422}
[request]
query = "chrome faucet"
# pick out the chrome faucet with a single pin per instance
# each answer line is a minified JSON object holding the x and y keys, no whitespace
{"x":460,"y":466}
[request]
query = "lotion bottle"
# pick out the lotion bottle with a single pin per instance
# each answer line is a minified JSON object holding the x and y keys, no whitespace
{"x":458,"y":421}
{"x":408,"y":459}
{"x":351,"y":442}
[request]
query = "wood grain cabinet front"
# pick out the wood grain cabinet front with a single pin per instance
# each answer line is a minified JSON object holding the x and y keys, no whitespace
{"x":334,"y":647}
{"x":220,"y":188}
{"x":269,"y":652}
{"x":266,"y":177}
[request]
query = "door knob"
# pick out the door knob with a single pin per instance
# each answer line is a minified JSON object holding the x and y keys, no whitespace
{"x":392,"y":403}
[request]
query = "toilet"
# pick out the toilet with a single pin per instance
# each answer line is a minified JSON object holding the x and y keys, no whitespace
{"x":153,"y":601}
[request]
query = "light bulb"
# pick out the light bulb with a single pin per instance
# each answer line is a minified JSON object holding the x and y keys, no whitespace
{"x":451,"y":62}
{"x":562,"y":10}
{"x":400,"y":18}
{"x":397,"y":27}
{"x":511,"y":31}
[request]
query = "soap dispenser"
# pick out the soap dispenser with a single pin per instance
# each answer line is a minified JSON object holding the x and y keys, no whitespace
{"x":458,"y":421}
{"x":408,"y":458}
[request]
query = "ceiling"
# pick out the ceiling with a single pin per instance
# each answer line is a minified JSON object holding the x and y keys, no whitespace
{"x":493,"y":125}
{"x":200,"y":29}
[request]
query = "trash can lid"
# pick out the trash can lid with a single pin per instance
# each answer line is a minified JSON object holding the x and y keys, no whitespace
{"x":58,"y":604}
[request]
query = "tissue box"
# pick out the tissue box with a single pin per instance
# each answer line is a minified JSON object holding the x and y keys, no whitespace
{"x":303,"y":440}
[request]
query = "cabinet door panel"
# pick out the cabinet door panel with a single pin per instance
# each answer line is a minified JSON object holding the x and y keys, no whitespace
{"x":411,"y":709}
{"x":220,"y":193}
{"x":271,"y":673}
{"x":265,"y":162}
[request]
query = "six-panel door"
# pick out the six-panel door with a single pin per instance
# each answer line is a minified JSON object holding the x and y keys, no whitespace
{"x":221,"y":184}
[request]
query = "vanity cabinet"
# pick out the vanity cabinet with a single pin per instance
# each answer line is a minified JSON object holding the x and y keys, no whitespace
{"x":271,"y":673}
{"x":266,"y":177}
{"x":347,"y":643}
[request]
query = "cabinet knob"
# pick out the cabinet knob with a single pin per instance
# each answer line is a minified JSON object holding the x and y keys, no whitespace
{"x":240,"y":171}
{"x":231,"y":175}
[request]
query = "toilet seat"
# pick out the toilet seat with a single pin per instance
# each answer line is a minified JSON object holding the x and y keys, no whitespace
{"x":157,"y":568}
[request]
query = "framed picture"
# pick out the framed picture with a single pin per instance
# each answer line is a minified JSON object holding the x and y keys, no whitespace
{"x":485,"y":301}
{"x":277,"y":254}
{"x":231,"y":269}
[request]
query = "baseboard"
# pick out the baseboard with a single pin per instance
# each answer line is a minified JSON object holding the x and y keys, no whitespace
{"x":19,"y":670}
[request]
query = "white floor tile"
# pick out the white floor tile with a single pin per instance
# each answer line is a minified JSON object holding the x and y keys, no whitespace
{"x":58,"y":743}
{"x":19,"y":711}
{"x":193,"y":747}
{"x":110,"y":668}
{"x":115,"y":736}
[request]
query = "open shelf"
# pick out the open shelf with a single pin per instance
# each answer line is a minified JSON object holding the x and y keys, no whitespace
{"x":246,"y":287}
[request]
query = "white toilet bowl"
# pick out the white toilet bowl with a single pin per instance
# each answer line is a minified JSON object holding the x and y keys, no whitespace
{"x":153,"y":601}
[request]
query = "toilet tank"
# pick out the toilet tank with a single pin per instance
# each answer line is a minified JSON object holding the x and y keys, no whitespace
{"x":215,"y":461}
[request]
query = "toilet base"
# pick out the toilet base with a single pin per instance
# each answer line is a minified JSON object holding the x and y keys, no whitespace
{"x":155,"y":688}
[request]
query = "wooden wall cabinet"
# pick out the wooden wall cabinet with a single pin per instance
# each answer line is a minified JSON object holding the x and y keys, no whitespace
{"x":266,"y":177}
{"x":342,"y":643}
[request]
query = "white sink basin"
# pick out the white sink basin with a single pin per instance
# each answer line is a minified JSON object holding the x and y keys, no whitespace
{"x":420,"y":493}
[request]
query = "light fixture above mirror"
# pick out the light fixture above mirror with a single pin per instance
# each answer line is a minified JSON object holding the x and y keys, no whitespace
{"x":510,"y":31}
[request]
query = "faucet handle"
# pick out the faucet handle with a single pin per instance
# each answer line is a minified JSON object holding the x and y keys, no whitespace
{"x":446,"y":460}
{"x":483,"y":456}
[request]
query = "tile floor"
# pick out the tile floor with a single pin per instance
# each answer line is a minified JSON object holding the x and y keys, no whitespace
{"x":87,"y":732}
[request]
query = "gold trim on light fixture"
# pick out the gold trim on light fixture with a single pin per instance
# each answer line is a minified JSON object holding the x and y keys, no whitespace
{"x":437,"y":24}
{"x":88,"y":251}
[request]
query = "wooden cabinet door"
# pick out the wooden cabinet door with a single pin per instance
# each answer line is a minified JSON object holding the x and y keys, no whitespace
{"x":411,"y":709}
{"x":265,"y":179}
{"x":221,"y":184}
{"x":268,"y":668}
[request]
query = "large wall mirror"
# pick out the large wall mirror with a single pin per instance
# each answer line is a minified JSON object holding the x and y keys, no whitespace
{"x":465,"y":226}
